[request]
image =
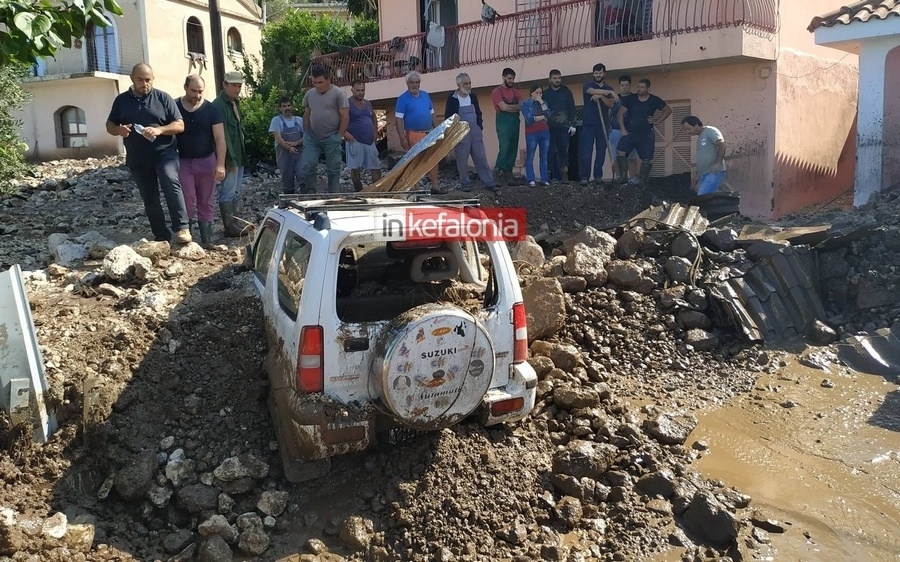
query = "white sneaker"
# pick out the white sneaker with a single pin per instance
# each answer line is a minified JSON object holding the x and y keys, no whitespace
{"x":531,"y":184}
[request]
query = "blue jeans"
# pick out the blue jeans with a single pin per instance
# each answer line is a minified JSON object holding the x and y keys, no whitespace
{"x":230,"y":187}
{"x":313,"y":149}
{"x":591,"y":136}
{"x":710,"y":183}
{"x":534,"y":142}
{"x":161,"y":174}
{"x":559,"y":152}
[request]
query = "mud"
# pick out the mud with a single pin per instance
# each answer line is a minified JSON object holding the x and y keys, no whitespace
{"x":188,"y":376}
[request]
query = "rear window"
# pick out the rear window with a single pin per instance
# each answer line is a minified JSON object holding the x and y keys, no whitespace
{"x":265,"y":245}
{"x":380,"y":280}
{"x":292,"y":272}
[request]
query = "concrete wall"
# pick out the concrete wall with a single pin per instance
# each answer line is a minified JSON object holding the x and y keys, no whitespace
{"x":92,"y":94}
{"x":167,"y":20}
{"x":891,"y":156}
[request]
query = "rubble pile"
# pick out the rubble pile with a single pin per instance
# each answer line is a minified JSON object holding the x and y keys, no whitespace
{"x":166,"y":451}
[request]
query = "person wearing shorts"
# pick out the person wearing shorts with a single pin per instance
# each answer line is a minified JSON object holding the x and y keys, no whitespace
{"x":637,"y":120}
{"x":615,"y":133}
{"x":360,"y":137}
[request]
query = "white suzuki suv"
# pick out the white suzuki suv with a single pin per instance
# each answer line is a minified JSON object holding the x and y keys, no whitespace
{"x":368,"y":333}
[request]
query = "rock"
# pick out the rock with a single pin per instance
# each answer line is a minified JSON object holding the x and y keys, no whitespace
{"x":671,"y":296}
{"x":55,"y":526}
{"x":190,"y":251}
{"x":572,"y":284}
{"x":272,"y":502}
{"x":569,"y":511}
{"x":568,"y":397}
{"x":686,"y":246}
{"x":545,"y":307}
{"x":700,"y":339}
{"x":110,"y":290}
{"x":689,"y":319}
{"x":515,"y":535}
{"x":217,"y":526}
{"x":542,"y":364}
{"x":678,"y":269}
{"x":707,"y":518}
{"x":589,"y":263}
{"x":660,"y":483}
{"x":120,"y":261}
{"x":585,"y":459}
{"x":529,"y":252}
{"x":195,"y":498}
{"x":719,"y":239}
{"x":670,"y":429}
{"x":154,"y":251}
{"x":55,"y":270}
{"x":159,"y":495}
{"x":820,"y":333}
{"x":253,"y":539}
{"x":630,"y":242}
{"x":178,"y":468}
{"x":174,"y":270}
{"x":625,"y":274}
{"x":241,"y":466}
{"x":173,"y":543}
{"x":216,"y":550}
{"x":564,"y":356}
{"x":133,"y":481}
{"x":316,"y":546}
{"x":767,"y":524}
{"x":80,"y":533}
{"x":64,"y":251}
{"x":697,"y":299}
{"x":592,"y":238}
{"x":355,"y":533}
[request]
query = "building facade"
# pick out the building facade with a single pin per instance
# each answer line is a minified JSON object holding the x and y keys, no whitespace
{"x":748,"y":67}
{"x":72,"y":93}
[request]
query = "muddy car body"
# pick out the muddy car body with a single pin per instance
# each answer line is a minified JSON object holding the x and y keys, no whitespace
{"x":367,"y":334}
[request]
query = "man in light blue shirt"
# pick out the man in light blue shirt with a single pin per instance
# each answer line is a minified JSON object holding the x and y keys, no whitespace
{"x":414,"y":115}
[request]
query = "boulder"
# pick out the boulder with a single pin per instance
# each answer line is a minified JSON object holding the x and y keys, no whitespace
{"x":589,"y":263}
{"x":545,"y":307}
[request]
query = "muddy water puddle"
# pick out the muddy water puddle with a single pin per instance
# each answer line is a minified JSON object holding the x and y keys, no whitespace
{"x":822,"y":458}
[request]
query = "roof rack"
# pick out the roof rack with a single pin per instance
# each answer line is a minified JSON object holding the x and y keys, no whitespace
{"x":314,"y":205}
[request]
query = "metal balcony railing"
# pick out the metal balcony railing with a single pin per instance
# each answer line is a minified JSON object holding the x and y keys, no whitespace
{"x":563,"y":26}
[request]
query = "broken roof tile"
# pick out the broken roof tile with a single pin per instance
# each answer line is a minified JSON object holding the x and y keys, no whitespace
{"x":858,"y":11}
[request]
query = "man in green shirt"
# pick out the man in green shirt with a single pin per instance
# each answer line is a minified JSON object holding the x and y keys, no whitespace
{"x":228,"y":104}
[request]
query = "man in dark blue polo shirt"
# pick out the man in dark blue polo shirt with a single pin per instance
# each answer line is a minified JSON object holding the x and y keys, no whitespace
{"x":148,"y":120}
{"x":637,"y":122}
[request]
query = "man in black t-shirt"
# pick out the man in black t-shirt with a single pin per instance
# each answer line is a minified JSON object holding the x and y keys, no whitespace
{"x":636,"y":122}
{"x":201,"y":151}
{"x":148,"y":120}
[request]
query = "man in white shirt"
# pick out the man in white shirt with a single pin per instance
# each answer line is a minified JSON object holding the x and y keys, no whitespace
{"x":288,"y":131}
{"x":709,"y":167}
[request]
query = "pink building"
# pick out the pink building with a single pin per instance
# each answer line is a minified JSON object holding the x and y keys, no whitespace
{"x":786,"y":106}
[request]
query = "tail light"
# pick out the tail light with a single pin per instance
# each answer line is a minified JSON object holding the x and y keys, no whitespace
{"x":311,"y":360}
{"x":507,"y":406}
{"x":520,"y":332}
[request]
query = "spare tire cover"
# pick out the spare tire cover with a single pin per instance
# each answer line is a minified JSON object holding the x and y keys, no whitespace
{"x":433,"y":366}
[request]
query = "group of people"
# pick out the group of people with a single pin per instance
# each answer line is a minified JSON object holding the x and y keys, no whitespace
{"x":619,"y":123}
{"x":330,"y":119}
{"x":183,"y":148}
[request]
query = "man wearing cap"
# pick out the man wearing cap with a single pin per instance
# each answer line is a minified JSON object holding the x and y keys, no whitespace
{"x":148,"y":120}
{"x":228,"y":105}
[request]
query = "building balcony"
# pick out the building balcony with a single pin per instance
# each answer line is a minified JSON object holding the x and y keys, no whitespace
{"x":558,"y":28}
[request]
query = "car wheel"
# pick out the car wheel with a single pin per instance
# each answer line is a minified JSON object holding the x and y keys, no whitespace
{"x":432,"y":366}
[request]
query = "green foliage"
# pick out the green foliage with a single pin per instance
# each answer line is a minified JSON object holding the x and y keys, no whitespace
{"x":12,"y":151}
{"x":37,"y":28}
{"x":363,"y":8}
{"x":287,"y":49}
{"x":258,"y":112}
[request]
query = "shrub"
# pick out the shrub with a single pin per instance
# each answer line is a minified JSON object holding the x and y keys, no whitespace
{"x":12,"y":151}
